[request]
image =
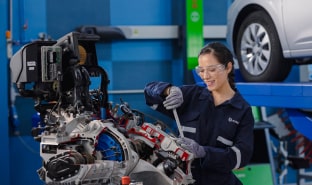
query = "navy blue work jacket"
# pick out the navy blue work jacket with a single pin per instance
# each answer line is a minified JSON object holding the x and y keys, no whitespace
{"x":225,"y":131}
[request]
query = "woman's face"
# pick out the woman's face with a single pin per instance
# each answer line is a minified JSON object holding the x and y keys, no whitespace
{"x":212,"y":72}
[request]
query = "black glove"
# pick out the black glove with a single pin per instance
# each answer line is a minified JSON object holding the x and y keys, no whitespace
{"x":192,"y":146}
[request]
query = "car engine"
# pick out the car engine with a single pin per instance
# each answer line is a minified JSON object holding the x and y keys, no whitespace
{"x":84,"y":138}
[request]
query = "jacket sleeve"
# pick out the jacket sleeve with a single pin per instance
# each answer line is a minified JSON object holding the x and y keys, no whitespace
{"x":236,"y":156}
{"x":153,"y":92}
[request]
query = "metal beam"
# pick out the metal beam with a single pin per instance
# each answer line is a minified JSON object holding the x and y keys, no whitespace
{"x":168,"y":32}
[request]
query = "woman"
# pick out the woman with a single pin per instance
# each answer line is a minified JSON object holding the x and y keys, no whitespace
{"x":216,"y":121}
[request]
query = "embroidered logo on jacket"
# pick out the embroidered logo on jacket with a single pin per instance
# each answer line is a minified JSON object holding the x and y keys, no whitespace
{"x":233,"y":120}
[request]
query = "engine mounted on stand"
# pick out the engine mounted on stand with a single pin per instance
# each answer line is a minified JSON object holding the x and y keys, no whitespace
{"x":78,"y":145}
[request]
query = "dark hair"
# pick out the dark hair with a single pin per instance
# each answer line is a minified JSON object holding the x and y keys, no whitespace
{"x":223,"y":55}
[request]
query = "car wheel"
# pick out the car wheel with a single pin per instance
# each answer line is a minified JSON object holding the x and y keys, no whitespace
{"x":258,"y":50}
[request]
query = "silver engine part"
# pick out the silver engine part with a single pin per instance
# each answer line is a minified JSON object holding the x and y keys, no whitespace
{"x":84,"y":151}
{"x":71,"y":156}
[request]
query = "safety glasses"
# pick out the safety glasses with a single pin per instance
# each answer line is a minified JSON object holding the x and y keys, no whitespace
{"x":212,"y":69}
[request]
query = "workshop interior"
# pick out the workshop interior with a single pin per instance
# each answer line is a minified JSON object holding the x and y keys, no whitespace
{"x":74,"y":71}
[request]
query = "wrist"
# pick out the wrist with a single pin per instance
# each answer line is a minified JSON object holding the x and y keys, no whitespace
{"x":167,"y":91}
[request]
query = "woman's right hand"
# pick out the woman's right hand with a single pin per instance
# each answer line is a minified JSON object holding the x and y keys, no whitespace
{"x":174,"y":98}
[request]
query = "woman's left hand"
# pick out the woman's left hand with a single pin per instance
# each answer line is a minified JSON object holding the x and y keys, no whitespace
{"x":192,"y":146}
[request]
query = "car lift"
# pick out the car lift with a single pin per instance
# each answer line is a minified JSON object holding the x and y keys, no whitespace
{"x":287,"y":95}
{"x":291,"y":96}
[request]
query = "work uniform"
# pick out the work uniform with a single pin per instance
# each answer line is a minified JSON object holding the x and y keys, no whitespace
{"x":225,"y":131}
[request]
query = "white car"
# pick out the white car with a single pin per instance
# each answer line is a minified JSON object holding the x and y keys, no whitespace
{"x":267,"y":37}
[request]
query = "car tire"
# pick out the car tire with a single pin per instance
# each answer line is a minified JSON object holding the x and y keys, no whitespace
{"x":258,"y":50}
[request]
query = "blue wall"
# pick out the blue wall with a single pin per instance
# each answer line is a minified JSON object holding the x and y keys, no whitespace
{"x":4,"y":159}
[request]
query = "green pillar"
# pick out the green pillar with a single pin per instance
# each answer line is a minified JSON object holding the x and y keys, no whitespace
{"x":194,"y":31}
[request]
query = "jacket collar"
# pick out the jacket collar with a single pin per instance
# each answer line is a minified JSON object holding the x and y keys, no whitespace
{"x":236,"y":101}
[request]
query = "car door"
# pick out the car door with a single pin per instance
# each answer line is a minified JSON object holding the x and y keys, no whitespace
{"x":298,"y":26}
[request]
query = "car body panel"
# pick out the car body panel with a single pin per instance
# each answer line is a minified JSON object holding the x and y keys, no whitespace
{"x":242,"y":6}
{"x":296,"y":41}
{"x":298,"y":27}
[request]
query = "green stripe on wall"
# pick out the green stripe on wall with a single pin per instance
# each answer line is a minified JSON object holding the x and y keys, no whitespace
{"x":194,"y":31}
